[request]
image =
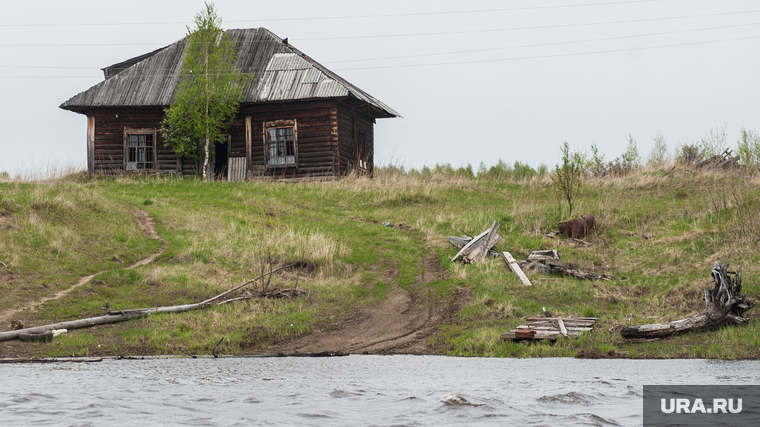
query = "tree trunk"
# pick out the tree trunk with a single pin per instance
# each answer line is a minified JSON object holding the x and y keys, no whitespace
{"x":115,"y":316}
{"x":724,"y":305}
{"x":208,"y":170}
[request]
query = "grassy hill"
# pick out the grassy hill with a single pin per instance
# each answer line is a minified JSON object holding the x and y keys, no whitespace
{"x":658,"y":234}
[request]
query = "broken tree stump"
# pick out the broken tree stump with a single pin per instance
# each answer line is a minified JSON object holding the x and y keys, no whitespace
{"x":724,"y":305}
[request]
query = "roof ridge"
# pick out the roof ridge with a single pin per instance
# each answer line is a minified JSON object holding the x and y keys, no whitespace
{"x":151,"y":79}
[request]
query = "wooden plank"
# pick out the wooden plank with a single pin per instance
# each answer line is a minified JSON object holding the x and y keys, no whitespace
{"x":555,"y":326}
{"x":90,"y":145}
{"x":489,"y":241}
{"x":248,"y":139}
{"x":236,"y":171}
{"x":472,"y":242}
{"x":562,"y":328}
{"x":516,"y":268}
{"x":568,"y":319}
{"x":540,"y":335}
{"x":552,"y":328}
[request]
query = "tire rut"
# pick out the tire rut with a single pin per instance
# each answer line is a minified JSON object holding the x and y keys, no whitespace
{"x":402,"y":323}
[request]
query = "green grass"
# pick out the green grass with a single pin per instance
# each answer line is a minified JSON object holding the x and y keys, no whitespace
{"x":658,"y":234}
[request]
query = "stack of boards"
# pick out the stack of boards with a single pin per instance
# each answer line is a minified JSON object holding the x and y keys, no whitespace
{"x":549,"y":328}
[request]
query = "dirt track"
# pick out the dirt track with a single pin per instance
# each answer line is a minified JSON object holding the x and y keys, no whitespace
{"x":400,"y":324}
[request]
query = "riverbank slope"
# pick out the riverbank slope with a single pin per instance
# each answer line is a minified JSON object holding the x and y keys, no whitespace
{"x":372,"y":288}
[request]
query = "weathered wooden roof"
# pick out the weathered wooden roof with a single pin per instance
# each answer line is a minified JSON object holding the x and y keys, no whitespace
{"x":282,"y":73}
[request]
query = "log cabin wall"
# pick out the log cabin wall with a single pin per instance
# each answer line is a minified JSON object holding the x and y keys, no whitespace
{"x":316,"y":138}
{"x":108,"y":152}
{"x":367,"y":124}
{"x":326,"y":133}
{"x":356,"y":141}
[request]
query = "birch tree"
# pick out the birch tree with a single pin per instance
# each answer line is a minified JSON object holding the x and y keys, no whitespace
{"x":208,"y":94}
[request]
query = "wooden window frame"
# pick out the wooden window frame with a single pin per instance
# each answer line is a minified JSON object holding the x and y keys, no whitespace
{"x":280,"y":124}
{"x":143,"y":131}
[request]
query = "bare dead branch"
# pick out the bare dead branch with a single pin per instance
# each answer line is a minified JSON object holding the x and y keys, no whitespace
{"x":217,"y":345}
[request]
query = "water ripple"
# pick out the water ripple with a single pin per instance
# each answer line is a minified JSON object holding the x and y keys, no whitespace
{"x":354,"y":390}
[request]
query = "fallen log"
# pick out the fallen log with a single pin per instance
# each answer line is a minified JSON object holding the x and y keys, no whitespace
{"x":188,"y":307}
{"x":124,"y":315}
{"x":724,"y":305}
{"x":74,"y":324}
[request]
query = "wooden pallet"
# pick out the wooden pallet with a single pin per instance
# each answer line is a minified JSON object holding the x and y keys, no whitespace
{"x":549,"y":328}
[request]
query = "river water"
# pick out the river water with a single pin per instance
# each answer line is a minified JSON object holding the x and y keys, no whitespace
{"x":350,"y":391}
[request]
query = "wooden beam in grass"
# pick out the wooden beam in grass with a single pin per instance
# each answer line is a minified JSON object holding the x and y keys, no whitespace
{"x":516,"y":268}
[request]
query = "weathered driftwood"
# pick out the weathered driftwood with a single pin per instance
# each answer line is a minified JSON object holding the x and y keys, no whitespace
{"x":577,"y":228}
{"x":124,"y":315}
{"x":724,"y":305}
{"x":188,"y":307}
{"x":276,"y":293}
{"x":477,"y":248}
{"x":73,"y":324}
{"x":516,"y":269}
{"x":552,"y":266}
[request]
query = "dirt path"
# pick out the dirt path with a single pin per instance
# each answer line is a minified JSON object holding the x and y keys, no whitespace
{"x":144,"y":221}
{"x":400,"y":324}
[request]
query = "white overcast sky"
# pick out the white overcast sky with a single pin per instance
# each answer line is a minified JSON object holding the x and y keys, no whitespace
{"x":475,"y":81}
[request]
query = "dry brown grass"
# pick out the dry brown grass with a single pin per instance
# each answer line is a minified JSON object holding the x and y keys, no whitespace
{"x":45,"y":172}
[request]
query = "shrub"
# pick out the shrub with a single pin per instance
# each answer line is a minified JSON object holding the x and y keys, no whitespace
{"x":714,"y":143}
{"x":596,"y":165}
{"x":659,"y":155}
{"x":748,"y":149}
{"x":567,"y":178}
{"x":687,"y":154}
{"x":631,"y":159}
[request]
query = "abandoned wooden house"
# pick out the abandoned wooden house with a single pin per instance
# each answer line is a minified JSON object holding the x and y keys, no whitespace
{"x":297,"y":118}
